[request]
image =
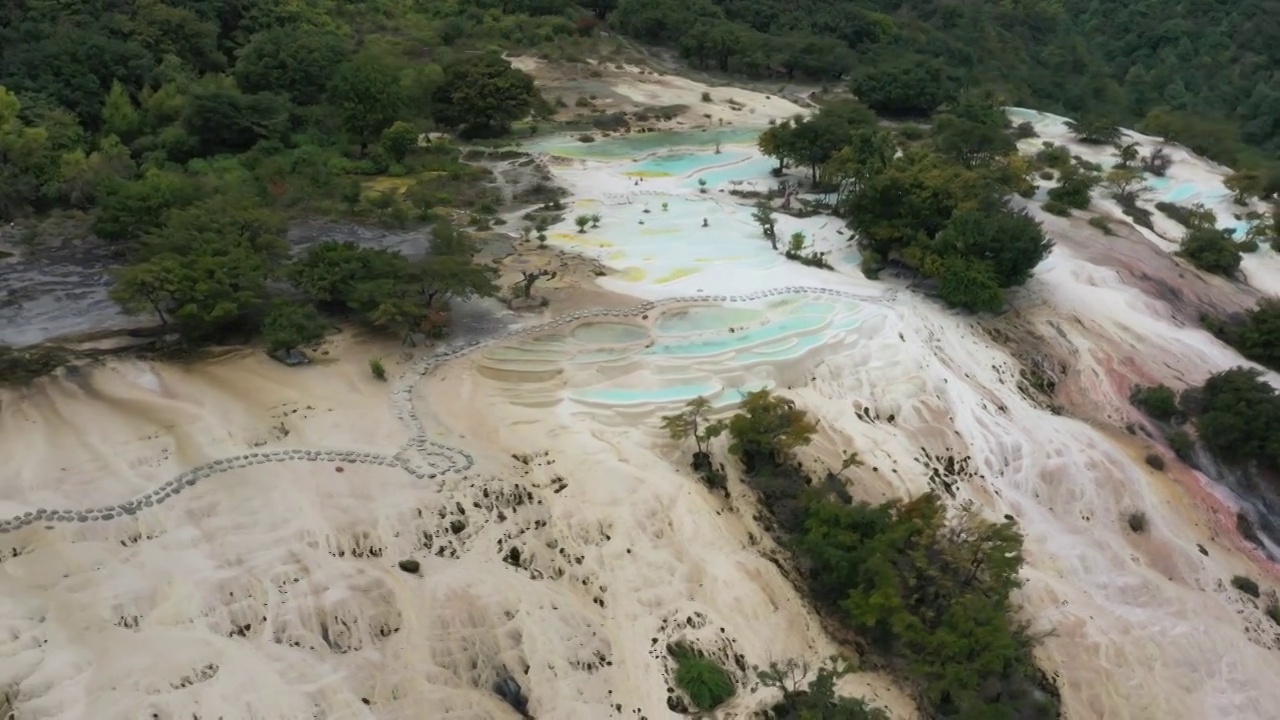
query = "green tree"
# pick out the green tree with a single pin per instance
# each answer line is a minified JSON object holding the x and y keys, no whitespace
{"x":693,"y":422}
{"x":398,"y":140}
{"x":1211,"y":250}
{"x":868,"y":152}
{"x":1125,"y":184}
{"x":974,"y":134}
{"x":1257,"y":334}
{"x":129,"y":209}
{"x":293,"y":60}
{"x":703,"y":681}
{"x":763,"y":215}
{"x":1010,"y":242}
{"x":1238,"y":415}
{"x":1095,"y":131}
{"x":906,"y":87}
{"x":483,"y":95}
{"x":933,"y":593}
{"x":221,"y":119}
{"x":202,"y":291}
{"x":966,"y":282}
{"x":119,"y":115}
{"x":288,"y":325}
{"x":330,"y":272}
{"x":768,"y":429}
{"x":367,"y":94}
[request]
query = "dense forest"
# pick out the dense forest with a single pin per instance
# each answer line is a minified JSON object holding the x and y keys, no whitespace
{"x":183,"y":81}
{"x":1205,"y":74}
{"x":153,"y":115}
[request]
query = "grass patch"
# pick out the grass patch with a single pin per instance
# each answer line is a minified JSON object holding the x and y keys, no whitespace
{"x":701,"y":679}
{"x":377,"y":369}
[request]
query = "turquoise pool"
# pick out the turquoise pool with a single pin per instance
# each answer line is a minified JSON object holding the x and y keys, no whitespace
{"x":637,"y":145}
{"x":632,"y":396}
{"x":680,"y":164}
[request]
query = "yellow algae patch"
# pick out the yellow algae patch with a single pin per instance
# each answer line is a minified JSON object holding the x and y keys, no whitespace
{"x":647,"y":174}
{"x":385,"y":183}
{"x":631,"y":274}
{"x":619,"y":255}
{"x":588,"y":202}
{"x":582,"y":240}
{"x":676,"y":275}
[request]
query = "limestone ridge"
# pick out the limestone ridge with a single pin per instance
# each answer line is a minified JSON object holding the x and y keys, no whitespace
{"x":421,"y":457}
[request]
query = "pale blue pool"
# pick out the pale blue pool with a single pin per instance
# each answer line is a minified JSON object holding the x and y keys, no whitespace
{"x":631,"y":396}
{"x":606,"y":333}
{"x":704,"y":319}
{"x":638,"y":145}
{"x":680,"y":164}
{"x":754,"y":170}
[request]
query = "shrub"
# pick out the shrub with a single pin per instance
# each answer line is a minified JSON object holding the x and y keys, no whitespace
{"x":1074,"y":190}
{"x":706,"y":96}
{"x":1273,"y":612}
{"x":1181,"y":444}
{"x":702,"y":680}
{"x":1101,"y":223}
{"x":912,"y":133}
{"x":1211,"y":250}
{"x":1046,"y":174}
{"x":586,"y":138}
{"x":1137,"y":521}
{"x":1056,"y":208}
{"x":377,"y":369}
{"x":1246,"y":585}
{"x":1139,"y":215}
{"x":1024,"y":131}
{"x":1159,"y":401}
{"x":1154,"y":461}
{"x":1054,"y":156}
{"x":1247,"y":246}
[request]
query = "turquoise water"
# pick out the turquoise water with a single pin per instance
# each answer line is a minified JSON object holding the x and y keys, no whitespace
{"x":636,"y":145}
{"x":1182,"y":192}
{"x":604,"y":333}
{"x":777,"y":330}
{"x":757,"y":170}
{"x":679,"y":164}
{"x":704,"y":319}
{"x":732,"y":341}
{"x":629,"y":396}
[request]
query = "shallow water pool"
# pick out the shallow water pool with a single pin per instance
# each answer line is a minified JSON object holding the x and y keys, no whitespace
{"x":635,"y":396}
{"x":636,"y":145}
{"x":705,"y":319}
{"x":682,"y":163}
{"x":606,"y":333}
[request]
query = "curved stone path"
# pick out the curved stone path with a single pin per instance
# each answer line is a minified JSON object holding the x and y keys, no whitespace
{"x":421,"y":456}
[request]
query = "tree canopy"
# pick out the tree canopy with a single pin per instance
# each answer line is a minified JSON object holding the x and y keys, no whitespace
{"x":928,"y":588}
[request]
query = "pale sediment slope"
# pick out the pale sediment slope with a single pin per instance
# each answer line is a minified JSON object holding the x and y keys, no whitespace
{"x":579,"y":545}
{"x":1142,"y":625}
